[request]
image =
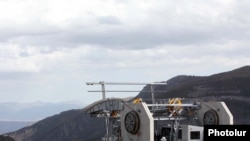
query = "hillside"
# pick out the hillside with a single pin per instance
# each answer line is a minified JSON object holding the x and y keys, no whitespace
{"x":74,"y":125}
{"x":231,"y":87}
{"x":6,"y":138}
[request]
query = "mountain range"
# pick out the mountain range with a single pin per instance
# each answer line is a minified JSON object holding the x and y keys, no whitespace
{"x":232,"y":87}
{"x":15,"y":115}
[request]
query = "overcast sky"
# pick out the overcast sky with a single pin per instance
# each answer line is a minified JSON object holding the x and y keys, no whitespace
{"x":49,"y":49}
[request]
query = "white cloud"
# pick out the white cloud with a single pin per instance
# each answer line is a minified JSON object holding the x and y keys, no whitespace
{"x":31,"y":59}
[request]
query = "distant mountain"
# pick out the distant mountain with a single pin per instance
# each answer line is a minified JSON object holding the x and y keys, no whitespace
{"x":14,"y":116}
{"x":10,"y":126}
{"x":74,"y":125}
{"x":34,"y":111}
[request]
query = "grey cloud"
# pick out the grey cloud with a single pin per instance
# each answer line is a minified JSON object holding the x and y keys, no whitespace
{"x":110,"y":20}
{"x":24,"y":54}
{"x":146,"y":36}
{"x":15,"y":75}
{"x":110,"y":31}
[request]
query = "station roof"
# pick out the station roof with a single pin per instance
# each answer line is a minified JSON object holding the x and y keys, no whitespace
{"x":106,"y":106}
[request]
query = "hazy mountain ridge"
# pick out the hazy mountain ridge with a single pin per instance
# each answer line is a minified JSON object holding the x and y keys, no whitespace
{"x":74,"y":125}
{"x":16,"y":115}
{"x":9,"y":126}
{"x":33,"y":111}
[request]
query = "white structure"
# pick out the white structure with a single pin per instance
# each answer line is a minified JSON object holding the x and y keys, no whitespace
{"x":214,"y":113}
{"x":137,"y":123}
{"x":190,"y":133}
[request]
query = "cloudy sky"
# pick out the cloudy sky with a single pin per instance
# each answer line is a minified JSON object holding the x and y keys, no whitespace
{"x":49,"y":49}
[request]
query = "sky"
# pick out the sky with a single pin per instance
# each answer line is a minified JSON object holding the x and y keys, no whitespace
{"x":49,"y":49}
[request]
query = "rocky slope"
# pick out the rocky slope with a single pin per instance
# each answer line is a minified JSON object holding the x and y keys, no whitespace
{"x":6,"y":138}
{"x":232,"y":87}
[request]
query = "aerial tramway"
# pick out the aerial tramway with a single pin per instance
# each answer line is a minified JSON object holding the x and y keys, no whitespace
{"x":172,"y":119}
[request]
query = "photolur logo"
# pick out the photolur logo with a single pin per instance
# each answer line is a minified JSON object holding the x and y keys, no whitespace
{"x":226,"y":132}
{"x":215,"y":132}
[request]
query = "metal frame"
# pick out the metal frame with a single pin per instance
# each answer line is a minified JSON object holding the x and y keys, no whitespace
{"x":103,"y":89}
